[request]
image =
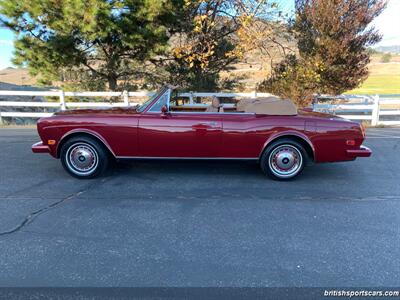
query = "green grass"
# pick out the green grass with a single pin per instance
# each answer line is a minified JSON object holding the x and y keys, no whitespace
{"x":379,"y":84}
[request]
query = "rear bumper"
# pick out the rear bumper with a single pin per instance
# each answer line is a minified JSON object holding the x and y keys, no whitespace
{"x":362,"y":152}
{"x":40,"y":148}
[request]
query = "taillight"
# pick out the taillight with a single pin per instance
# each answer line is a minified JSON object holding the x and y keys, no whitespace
{"x":362,"y":128}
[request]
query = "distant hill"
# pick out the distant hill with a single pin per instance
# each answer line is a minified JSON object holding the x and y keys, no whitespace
{"x":392,"y":49}
{"x":17,"y":76}
{"x":384,"y":78}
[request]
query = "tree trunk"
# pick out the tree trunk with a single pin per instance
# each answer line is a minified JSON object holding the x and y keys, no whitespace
{"x":112,"y":83}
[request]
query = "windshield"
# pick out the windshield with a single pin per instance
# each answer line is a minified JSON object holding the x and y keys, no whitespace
{"x":161,"y":101}
{"x":142,"y":107}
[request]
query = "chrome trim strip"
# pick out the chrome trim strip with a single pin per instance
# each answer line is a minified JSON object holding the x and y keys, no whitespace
{"x":203,"y":113}
{"x":187,"y":158}
{"x":215,"y":113}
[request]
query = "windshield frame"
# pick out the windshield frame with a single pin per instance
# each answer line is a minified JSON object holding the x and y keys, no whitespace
{"x":148,"y":103}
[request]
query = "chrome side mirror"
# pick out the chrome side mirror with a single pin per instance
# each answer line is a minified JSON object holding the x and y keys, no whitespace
{"x":164,"y":109}
{"x":164,"y":112}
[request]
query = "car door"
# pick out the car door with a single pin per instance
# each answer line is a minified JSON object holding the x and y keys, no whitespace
{"x":179,"y":134}
{"x":244,"y":134}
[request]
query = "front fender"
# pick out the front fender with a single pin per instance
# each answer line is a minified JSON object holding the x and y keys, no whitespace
{"x":84,"y":131}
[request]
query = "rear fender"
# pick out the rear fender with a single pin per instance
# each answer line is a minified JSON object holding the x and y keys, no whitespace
{"x":288,"y":134}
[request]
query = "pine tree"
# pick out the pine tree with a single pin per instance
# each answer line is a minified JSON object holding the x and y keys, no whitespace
{"x":100,"y":42}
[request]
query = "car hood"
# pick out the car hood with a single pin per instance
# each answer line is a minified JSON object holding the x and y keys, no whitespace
{"x":114,"y":110}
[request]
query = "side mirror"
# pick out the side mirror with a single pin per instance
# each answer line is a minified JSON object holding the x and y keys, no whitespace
{"x":164,"y":109}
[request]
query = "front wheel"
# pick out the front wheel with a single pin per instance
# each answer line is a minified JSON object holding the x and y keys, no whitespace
{"x":84,"y":157}
{"x":283,"y":159}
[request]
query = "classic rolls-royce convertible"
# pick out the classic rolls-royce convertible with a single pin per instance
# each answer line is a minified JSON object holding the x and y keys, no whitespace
{"x":271,"y":131}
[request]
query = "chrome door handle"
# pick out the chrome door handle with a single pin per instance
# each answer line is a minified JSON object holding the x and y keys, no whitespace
{"x":205,"y":125}
{"x":211,"y":124}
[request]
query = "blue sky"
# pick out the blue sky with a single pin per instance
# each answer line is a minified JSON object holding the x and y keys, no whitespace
{"x":6,"y":48}
{"x":388,"y":23}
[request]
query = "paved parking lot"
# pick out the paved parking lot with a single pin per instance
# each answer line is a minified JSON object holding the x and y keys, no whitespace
{"x":199,"y":223}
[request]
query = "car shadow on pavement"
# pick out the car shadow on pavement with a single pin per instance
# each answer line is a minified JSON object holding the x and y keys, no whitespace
{"x":186,"y":167}
{"x":248,"y":169}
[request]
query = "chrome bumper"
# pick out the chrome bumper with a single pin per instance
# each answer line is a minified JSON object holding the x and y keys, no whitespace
{"x":40,"y":148}
{"x":362,"y":152}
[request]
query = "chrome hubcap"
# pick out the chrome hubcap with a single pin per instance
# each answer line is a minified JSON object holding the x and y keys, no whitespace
{"x":285,"y":161}
{"x":82,"y":158}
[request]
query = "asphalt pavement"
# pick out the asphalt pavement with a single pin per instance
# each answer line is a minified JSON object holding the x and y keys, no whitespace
{"x":196,"y":224}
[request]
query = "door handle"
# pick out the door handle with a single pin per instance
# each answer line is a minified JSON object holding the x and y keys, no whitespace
{"x":204,"y":125}
{"x":210,"y":124}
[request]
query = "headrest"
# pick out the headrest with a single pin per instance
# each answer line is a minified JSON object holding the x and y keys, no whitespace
{"x":215,"y":102}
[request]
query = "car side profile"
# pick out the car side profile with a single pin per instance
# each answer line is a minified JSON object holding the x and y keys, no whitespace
{"x":86,"y":140}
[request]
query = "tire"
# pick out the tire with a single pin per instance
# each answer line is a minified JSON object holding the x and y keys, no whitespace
{"x":283,"y":160}
{"x":84,"y":157}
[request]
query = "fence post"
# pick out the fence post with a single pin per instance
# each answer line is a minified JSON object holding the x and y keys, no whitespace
{"x":375,"y":111}
{"x":254,"y":94}
{"x":62,"y":100}
{"x":191,"y":98}
{"x":125,"y":95}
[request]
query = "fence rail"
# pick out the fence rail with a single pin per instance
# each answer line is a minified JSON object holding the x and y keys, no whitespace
{"x":368,"y":108}
{"x":371,"y":109}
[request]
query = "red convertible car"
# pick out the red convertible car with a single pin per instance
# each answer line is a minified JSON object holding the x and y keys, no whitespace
{"x":165,"y":128}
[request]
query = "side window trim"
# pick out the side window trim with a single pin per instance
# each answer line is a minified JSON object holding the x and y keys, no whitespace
{"x":167,"y":94}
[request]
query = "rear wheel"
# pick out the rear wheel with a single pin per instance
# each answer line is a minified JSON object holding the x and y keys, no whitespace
{"x":84,"y":157}
{"x":283,"y":159}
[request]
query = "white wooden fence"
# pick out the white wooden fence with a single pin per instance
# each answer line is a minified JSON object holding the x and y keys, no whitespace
{"x":63,"y":105}
{"x":367,"y":108}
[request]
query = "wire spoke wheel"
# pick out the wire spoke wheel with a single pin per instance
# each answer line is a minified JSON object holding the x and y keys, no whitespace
{"x":285,"y":161}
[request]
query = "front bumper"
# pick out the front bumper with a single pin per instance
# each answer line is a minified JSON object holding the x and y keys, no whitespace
{"x":40,"y":148}
{"x":362,"y":152}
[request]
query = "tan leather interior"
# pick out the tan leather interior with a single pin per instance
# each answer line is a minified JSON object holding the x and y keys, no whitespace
{"x":268,"y":106}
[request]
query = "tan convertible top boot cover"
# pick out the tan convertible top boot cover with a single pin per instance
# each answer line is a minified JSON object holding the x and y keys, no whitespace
{"x":268,"y":106}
